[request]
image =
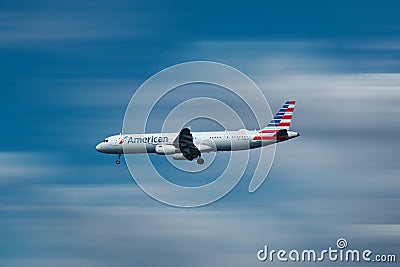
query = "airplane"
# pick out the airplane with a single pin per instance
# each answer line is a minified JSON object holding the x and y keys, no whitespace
{"x":187,"y":145}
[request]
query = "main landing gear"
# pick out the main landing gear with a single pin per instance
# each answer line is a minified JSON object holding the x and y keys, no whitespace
{"x":200,"y":161}
{"x":118,"y":160}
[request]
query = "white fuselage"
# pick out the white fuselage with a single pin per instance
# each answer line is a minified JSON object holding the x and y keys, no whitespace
{"x":205,"y":141}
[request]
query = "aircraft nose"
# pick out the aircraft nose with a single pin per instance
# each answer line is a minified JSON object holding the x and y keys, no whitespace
{"x":99,"y":147}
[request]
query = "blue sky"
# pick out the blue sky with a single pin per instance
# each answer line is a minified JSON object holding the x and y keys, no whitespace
{"x":69,"y":70}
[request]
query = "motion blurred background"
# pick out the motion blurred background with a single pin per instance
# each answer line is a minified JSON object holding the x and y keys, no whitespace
{"x":69,"y":68}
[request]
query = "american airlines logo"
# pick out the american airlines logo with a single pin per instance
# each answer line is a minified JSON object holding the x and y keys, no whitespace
{"x":146,"y":139}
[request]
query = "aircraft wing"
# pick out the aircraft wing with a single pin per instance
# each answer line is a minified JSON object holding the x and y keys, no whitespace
{"x":185,"y":143}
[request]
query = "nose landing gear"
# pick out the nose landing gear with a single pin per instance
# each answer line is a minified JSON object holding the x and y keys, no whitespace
{"x":118,"y":160}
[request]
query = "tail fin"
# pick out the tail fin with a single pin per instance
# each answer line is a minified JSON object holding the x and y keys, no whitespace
{"x":283,"y":118}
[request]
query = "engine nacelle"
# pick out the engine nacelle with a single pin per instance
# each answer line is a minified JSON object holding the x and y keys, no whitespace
{"x":165,"y":149}
{"x":178,"y":156}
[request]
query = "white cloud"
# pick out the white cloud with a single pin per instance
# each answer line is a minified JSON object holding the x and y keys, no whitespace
{"x":25,"y":167}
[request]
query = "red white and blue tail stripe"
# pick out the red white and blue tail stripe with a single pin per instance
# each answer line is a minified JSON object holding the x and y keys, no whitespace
{"x":283,"y":118}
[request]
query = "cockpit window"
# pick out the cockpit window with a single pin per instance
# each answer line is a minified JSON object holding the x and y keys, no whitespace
{"x":105,"y":140}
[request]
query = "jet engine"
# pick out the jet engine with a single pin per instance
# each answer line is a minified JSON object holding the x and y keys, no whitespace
{"x":165,"y":149}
